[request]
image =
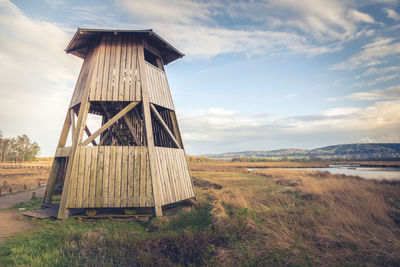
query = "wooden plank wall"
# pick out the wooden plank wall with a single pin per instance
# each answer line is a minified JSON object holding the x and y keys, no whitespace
{"x":159,"y":92}
{"x":173,"y":173}
{"x":111,"y":177}
{"x":116,"y":78}
{"x":82,"y":79}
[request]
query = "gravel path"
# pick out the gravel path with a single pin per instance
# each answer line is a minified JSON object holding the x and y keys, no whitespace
{"x":9,"y":222}
{"x":10,"y":200}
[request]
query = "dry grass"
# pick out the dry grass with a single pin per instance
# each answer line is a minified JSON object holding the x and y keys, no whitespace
{"x":305,"y":217}
{"x":17,"y":175}
{"x":260,"y":218}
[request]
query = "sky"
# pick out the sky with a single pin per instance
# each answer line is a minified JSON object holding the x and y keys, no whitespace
{"x":257,"y":75}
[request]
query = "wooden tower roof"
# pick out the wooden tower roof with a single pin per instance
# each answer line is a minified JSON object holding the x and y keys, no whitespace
{"x":83,"y":37}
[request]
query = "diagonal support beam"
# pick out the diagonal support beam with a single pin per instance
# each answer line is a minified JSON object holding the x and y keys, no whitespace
{"x":104,"y":138}
{"x":86,"y":128}
{"x":114,"y":126}
{"x":129,"y":123}
{"x":164,"y":125}
{"x":110,"y":122}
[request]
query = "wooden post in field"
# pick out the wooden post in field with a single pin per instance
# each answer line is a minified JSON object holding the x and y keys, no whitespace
{"x":135,"y":159}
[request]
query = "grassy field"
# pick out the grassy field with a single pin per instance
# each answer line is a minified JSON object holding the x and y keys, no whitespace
{"x":29,"y":174}
{"x":259,"y":218}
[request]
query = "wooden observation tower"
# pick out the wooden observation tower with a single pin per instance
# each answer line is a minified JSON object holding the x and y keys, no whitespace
{"x":135,"y":159}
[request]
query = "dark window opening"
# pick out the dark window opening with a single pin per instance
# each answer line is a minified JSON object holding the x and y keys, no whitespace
{"x":152,"y":59}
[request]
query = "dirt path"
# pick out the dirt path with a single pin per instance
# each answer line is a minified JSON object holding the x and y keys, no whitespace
{"x":9,"y":222}
{"x":10,"y":200}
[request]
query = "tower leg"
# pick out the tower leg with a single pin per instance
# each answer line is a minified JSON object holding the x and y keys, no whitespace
{"x":56,"y":165}
{"x":52,"y":178}
{"x":158,"y":211}
{"x":149,"y":132}
{"x":83,"y":113}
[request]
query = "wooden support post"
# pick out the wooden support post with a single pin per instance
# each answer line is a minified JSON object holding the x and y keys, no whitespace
{"x":54,"y":168}
{"x":149,"y":132}
{"x":72,"y":123}
{"x":83,"y":112}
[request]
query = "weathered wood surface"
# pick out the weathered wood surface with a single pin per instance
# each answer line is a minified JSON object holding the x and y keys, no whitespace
{"x":157,"y":83}
{"x":116,"y":78}
{"x":173,"y":173}
{"x":63,"y":151}
{"x":149,"y":130}
{"x":111,"y":177}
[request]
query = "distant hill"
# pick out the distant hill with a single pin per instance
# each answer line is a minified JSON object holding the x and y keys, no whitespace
{"x":346,"y":151}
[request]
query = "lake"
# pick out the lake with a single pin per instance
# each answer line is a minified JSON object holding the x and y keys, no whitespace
{"x":377,"y":173}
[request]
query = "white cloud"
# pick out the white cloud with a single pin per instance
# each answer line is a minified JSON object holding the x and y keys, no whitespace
{"x":371,"y":54}
{"x":378,"y":71}
{"x":341,"y":111}
{"x":36,"y":76}
{"x":240,"y":131}
{"x":392,"y":92}
{"x":193,"y":26}
{"x":392,"y":14}
{"x":380,"y":79}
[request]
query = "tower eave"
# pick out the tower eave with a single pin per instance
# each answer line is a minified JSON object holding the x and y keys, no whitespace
{"x":83,"y":37}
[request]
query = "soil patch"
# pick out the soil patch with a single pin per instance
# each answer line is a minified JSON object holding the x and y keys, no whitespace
{"x":10,"y":224}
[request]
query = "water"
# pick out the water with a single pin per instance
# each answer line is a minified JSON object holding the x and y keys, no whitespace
{"x":377,"y":173}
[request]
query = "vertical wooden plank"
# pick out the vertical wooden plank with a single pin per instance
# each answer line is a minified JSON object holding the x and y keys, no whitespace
{"x":121,"y":72}
{"x":81,"y":173}
{"x":183,"y":178}
{"x":142,"y":186}
{"x":128,"y":68}
{"x":173,"y":169}
{"x":74,"y":182}
{"x":99,"y":176}
{"x":137,"y":73}
{"x":169,"y":95}
{"x":138,"y":151}
{"x":179,"y":177}
{"x":118,"y":180}
{"x":111,"y":183}
{"x":93,"y":177}
{"x":86,"y":177}
{"x":94,"y":77}
{"x":106,"y":69}
{"x":106,"y":177}
{"x":158,"y":173}
{"x":117,"y":65}
{"x":100,"y":72}
{"x":124,"y":176}
{"x":149,"y":188}
{"x":169,"y":176}
{"x":110,"y":82}
{"x":131,"y":164}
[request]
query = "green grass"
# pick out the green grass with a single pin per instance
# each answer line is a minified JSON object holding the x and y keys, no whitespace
{"x":179,"y":239}
{"x":241,"y":219}
{"x":34,"y":203}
